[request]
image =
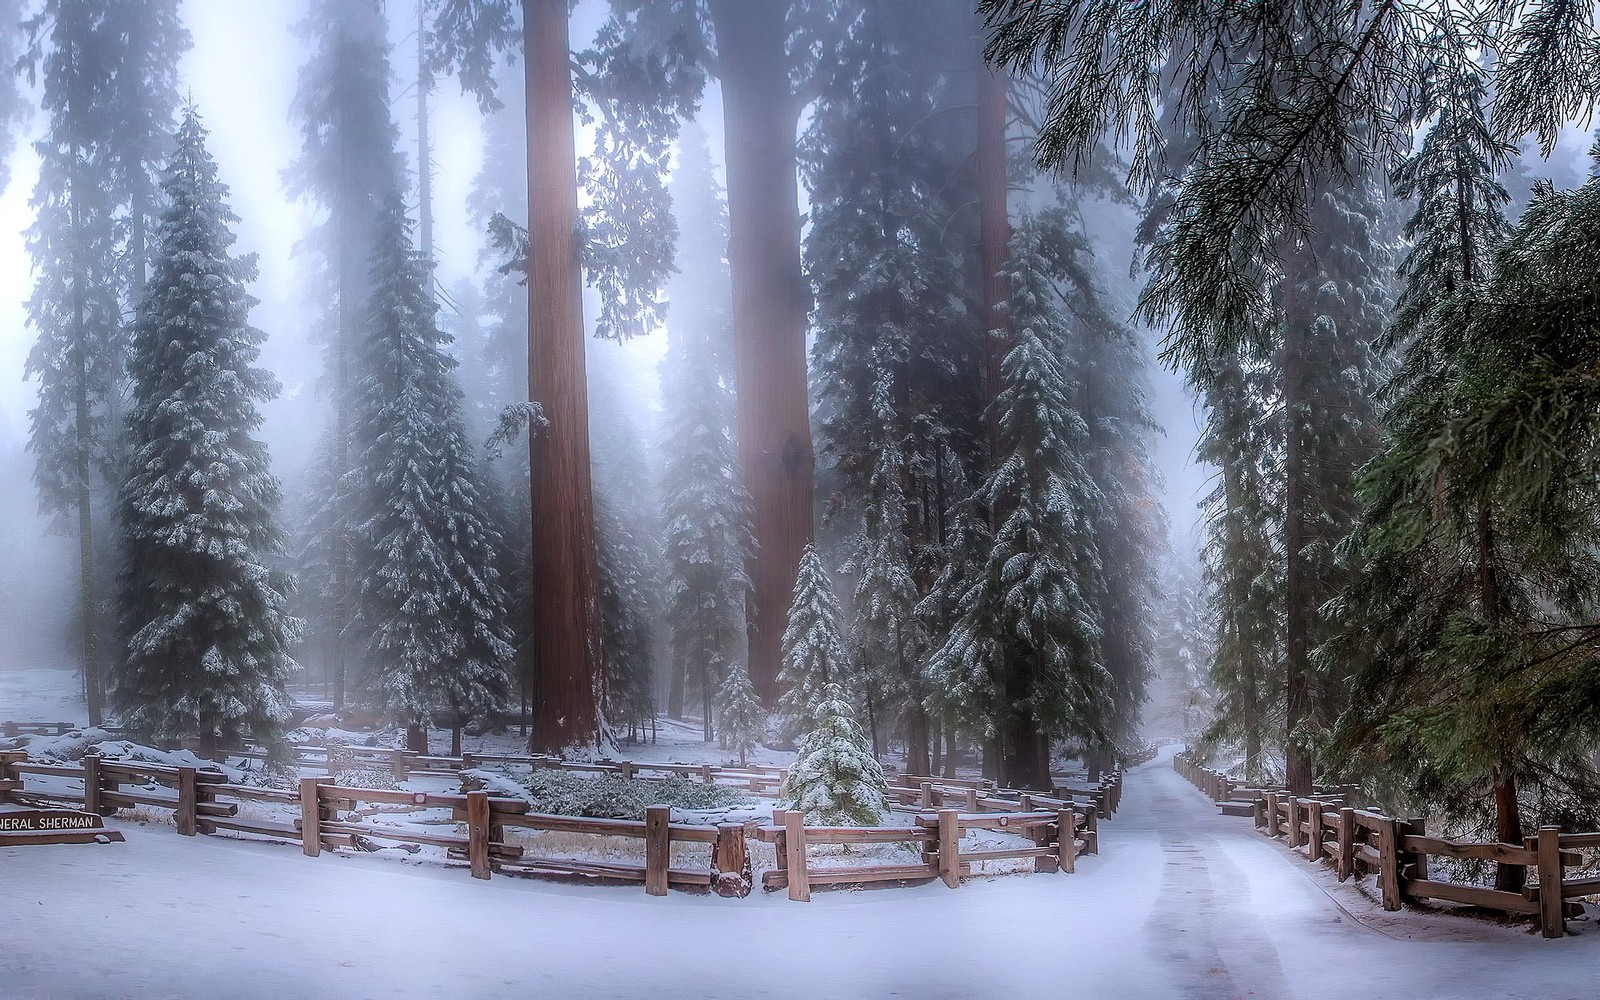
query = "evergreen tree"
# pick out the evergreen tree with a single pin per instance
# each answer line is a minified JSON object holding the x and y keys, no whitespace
{"x":1289,"y":95}
{"x":13,"y":108}
{"x":78,"y":356}
{"x":151,"y":42}
{"x":886,"y":640}
{"x":813,"y":650}
{"x":1244,"y":561}
{"x":835,"y":780}
{"x":1446,"y":586}
{"x":348,"y":166}
{"x":744,"y":721}
{"x":705,"y":509}
{"x":433,"y":606}
{"x":1021,"y":657}
{"x":206,"y":627}
{"x":627,"y":593}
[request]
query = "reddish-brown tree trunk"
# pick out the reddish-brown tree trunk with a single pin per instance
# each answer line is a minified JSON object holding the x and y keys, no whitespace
{"x":1508,"y":828}
{"x":566,"y":640}
{"x":769,"y":312}
{"x":994,"y":231}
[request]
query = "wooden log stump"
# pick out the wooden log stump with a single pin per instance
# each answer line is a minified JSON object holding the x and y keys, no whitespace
{"x":730,"y":859}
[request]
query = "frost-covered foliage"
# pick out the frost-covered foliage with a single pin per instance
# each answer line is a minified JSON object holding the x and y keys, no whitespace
{"x":348,"y":166}
{"x":608,"y":796}
{"x":1022,"y":656}
{"x":886,"y":640}
{"x":206,"y":627}
{"x":433,"y":606}
{"x":744,"y":721}
{"x":836,"y":780}
{"x":704,"y":506}
{"x":813,"y":649}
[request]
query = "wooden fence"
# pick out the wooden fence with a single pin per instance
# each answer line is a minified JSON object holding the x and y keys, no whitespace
{"x":331,"y":816}
{"x":1059,"y":837}
{"x":1396,"y":850}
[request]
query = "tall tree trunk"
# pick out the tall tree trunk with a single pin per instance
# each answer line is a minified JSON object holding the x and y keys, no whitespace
{"x":424,"y":147}
{"x":675,"y":692}
{"x":769,"y":312}
{"x":567,"y":638}
{"x":1508,"y":829}
{"x":343,"y":573}
{"x":994,"y":232}
{"x":417,"y":738}
{"x":1297,"y":599}
{"x":83,"y":430}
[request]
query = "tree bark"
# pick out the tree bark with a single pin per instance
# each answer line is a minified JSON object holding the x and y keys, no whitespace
{"x":567,"y":638}
{"x":417,"y":738}
{"x":1508,"y":829}
{"x":770,"y":301}
{"x":994,"y":232}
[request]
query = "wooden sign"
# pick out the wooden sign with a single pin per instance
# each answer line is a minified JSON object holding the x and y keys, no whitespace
{"x":53,"y":826}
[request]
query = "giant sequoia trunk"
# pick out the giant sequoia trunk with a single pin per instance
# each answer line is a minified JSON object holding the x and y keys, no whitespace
{"x":769,"y":312}
{"x":1508,"y":830}
{"x":567,"y":637}
{"x":994,"y":233}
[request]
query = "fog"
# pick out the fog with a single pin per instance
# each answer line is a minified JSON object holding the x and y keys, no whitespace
{"x":242,"y":71}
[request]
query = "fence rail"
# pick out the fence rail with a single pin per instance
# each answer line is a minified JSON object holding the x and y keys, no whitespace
{"x":321,"y":814}
{"x":1396,"y":850}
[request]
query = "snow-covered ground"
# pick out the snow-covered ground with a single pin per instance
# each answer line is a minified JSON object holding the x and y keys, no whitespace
{"x":1181,"y":903}
{"x":40,"y":694}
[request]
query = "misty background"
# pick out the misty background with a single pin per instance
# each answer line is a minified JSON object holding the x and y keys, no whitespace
{"x":242,"y":72}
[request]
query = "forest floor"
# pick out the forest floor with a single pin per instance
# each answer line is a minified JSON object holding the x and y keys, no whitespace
{"x":1180,"y":903}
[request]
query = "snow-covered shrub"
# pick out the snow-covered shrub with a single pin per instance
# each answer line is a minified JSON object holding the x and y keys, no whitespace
{"x":836,"y":779}
{"x":610,"y":797}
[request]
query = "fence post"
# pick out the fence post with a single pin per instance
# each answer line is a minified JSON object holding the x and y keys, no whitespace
{"x":1389,"y":862}
{"x":972,"y":800}
{"x":794,"y":830}
{"x":1271,"y":824}
{"x":310,"y":818}
{"x":730,"y":859}
{"x":1415,"y":827}
{"x":1091,"y":830}
{"x":1314,"y":840}
{"x":185,"y":816}
{"x":1550,"y":890}
{"x":950,"y":847}
{"x":1294,"y":822}
{"x":657,"y":848}
{"x":1347,"y":842}
{"x":1067,"y":839}
{"x":91,"y":783}
{"x":478,"y":833}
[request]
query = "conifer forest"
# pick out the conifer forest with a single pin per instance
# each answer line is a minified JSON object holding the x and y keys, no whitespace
{"x":900,"y":437}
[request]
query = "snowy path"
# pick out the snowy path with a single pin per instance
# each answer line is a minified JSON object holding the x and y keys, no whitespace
{"x":1181,"y":903}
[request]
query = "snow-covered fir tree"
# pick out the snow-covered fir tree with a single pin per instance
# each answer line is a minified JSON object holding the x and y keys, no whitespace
{"x":205,"y":624}
{"x":348,"y":166}
{"x":835,"y":780}
{"x":886,"y":640}
{"x":433,"y":607}
{"x":743,"y":722}
{"x":628,"y":584}
{"x":705,"y":509}
{"x":813,"y":650}
{"x":75,"y":308}
{"x":1021,"y":656}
